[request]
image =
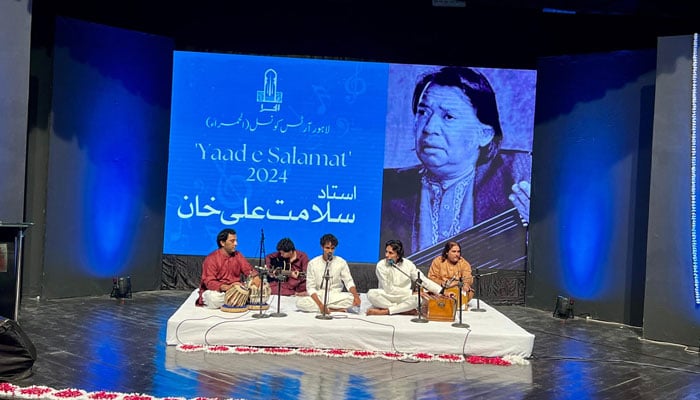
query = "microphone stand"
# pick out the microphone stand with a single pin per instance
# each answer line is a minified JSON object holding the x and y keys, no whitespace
{"x":478,"y":292}
{"x":261,"y":256}
{"x":326,"y":277}
{"x":459,"y":324}
{"x":279,"y":314}
{"x":420,"y":318}
{"x":262,"y":273}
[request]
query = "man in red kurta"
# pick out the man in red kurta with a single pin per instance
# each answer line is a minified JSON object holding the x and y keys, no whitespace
{"x":288,"y":264}
{"x":222,"y":269}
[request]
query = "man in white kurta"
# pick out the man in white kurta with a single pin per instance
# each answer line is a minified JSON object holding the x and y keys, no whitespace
{"x":396,"y":276}
{"x":338,"y":272}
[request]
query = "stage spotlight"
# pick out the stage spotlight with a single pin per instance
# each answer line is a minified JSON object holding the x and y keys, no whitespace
{"x":121,"y":288}
{"x":564,"y":308}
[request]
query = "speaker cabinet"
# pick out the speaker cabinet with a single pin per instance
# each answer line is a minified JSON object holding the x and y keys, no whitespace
{"x":17,"y":352}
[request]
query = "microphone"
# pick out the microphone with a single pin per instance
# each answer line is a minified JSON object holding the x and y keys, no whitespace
{"x":262,"y":270}
{"x":327,"y":272}
{"x":391,"y":262}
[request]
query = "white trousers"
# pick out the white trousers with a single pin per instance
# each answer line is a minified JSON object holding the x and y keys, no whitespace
{"x":213,"y":299}
{"x":335,"y":300}
{"x":394,"y":303}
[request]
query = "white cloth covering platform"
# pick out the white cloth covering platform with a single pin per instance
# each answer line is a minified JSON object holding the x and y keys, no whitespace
{"x":491,"y":334}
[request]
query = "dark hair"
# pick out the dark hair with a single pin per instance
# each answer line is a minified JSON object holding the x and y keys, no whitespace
{"x":223,"y":235}
{"x":448,"y":246}
{"x":477,"y":88}
{"x":397,"y":246}
{"x":286,"y":245}
{"x":329,"y":238}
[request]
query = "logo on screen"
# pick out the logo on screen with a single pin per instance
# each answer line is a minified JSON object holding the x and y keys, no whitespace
{"x":269,"y":98}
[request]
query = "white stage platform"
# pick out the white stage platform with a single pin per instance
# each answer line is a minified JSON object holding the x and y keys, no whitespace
{"x":491,"y":334}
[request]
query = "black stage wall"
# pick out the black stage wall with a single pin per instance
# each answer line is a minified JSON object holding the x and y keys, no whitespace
{"x":15,"y":28}
{"x":590,"y":183}
{"x":107,"y":146}
{"x":670,"y":311}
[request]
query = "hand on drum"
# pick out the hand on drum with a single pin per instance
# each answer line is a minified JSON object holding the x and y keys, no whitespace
{"x":225,"y":287}
{"x":255,"y":281}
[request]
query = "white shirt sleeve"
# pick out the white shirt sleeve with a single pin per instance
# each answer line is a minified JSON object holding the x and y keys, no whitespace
{"x":426,"y":283}
{"x":345,"y":275}
{"x":314,"y":275}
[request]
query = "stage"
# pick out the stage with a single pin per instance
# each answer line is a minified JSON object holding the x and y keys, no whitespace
{"x":490,"y":333}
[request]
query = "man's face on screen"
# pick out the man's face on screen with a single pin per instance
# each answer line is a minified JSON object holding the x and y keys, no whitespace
{"x":448,"y":133}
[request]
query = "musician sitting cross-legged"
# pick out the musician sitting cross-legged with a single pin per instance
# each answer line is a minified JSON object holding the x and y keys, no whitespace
{"x":327,"y":275}
{"x":447,"y":269}
{"x":288,"y":265}
{"x":223,"y":269}
{"x":396,"y":275}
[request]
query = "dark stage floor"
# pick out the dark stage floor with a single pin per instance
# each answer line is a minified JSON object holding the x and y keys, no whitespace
{"x":100,"y":343}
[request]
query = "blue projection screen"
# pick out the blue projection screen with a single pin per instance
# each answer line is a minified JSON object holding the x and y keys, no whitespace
{"x":279,"y":147}
{"x":275,"y":146}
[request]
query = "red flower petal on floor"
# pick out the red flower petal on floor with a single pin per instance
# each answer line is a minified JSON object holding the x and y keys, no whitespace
{"x":278,"y":350}
{"x":189,"y":347}
{"x":7,"y":387}
{"x":69,"y":394}
{"x":308,"y":351}
{"x":451,"y":357}
{"x":337,"y":352}
{"x":364,"y":354}
{"x":423,"y":356}
{"x":137,"y":397}
{"x":218,"y":349}
{"x":246,"y":350}
{"x":34,"y":391}
{"x":103,"y":395}
{"x":487,"y":360}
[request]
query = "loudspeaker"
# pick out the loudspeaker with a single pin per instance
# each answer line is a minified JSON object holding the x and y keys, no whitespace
{"x":17,"y":353}
{"x":564,"y":308}
{"x":121,"y":288}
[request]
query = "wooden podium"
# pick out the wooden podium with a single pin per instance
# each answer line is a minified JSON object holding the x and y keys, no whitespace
{"x":11,"y":238}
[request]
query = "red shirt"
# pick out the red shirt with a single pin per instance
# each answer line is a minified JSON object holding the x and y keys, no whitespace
{"x":220,"y":268}
{"x":291,"y":285}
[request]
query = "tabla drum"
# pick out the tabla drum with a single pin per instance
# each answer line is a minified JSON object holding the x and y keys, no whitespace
{"x":466,"y":296}
{"x":236,"y":299}
{"x":439,"y":308}
{"x":254,"y":302}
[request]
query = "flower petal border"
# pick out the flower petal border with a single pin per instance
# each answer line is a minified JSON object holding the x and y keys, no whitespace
{"x":347,"y":353}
